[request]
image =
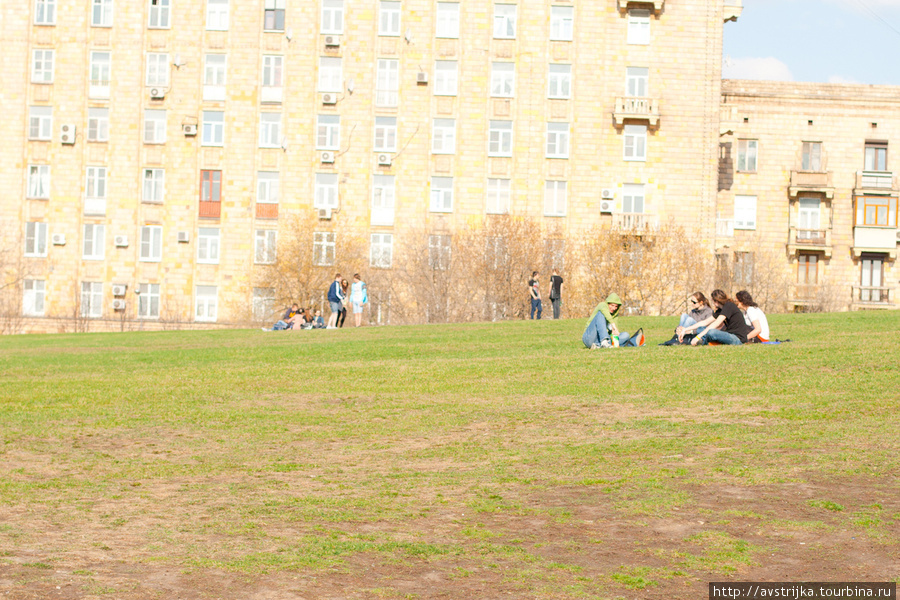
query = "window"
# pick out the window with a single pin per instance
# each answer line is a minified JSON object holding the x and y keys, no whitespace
{"x":326,"y":190}
{"x":35,"y":239}
{"x":263,"y":303}
{"x":871,"y":276}
{"x":273,"y":78}
{"x":214,"y":77}
{"x":268,"y":187}
{"x":328,"y":132}
{"x":269,"y":130}
{"x":148,"y":301}
{"x":745,"y":212}
{"x":383,"y":200}
{"x":98,"y":125}
{"x":381,"y":250}
{"x":385,"y":134}
{"x":439,"y":252}
{"x":274,"y":15}
{"x":561,"y":20}
{"x":333,"y":16}
{"x":809,"y":218}
{"x":323,"y":248}
{"x":217,"y":15}
{"x":633,"y":198}
{"x":441,"y":194}
{"x":265,"y":247}
{"x":743,"y":268}
{"x":876,"y":156}
{"x":498,"y":193}
{"x":747,"y":151}
{"x":40,"y":123}
{"x":807,"y":269}
{"x":503,"y":79}
{"x":330,"y":79}
{"x":154,"y":185}
{"x":205,"y":303}
{"x":876,"y":211}
{"x":96,"y":182}
{"x":213,"y":128}
{"x":154,"y":126}
{"x":100,"y":75}
{"x":33,"y":298}
{"x":42,"y":66}
{"x":557,"y":140}
{"x":208,"y":245}
{"x":45,"y":12}
{"x":102,"y":13}
{"x":38,"y":181}
{"x":210,"y":186}
{"x":444,"y":136}
{"x":639,"y":27}
{"x":159,"y":16}
{"x":500,"y":136}
{"x":555,"y":199}
{"x":445,"y":78}
{"x":92,"y":247}
{"x":505,"y":21}
{"x":812,"y":156}
{"x":560,"y":82}
{"x":151,"y":243}
{"x":388,"y":18}
{"x":387,"y":83}
{"x":157,"y":69}
{"x":636,"y":81}
{"x":447,"y":20}
{"x":91,"y":299}
{"x":635,"y":142}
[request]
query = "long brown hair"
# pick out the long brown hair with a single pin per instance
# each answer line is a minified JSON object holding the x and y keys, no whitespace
{"x":699,"y":297}
{"x":720,"y":297}
{"x":745,"y":298}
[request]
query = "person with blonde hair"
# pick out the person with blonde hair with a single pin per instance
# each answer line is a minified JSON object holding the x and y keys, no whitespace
{"x":698,"y":309}
{"x":728,"y":316}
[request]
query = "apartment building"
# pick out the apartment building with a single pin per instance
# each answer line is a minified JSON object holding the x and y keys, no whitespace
{"x":161,"y":147}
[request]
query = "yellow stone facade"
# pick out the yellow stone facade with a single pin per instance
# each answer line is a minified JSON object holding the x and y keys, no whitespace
{"x":672,"y":50}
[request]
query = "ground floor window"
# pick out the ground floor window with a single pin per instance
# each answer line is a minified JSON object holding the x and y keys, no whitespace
{"x":872,"y":278}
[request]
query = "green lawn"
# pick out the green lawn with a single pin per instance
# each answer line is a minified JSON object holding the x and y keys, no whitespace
{"x":457,"y":461}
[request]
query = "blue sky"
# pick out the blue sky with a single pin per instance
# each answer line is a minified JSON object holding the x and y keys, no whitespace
{"x":837,"y":41}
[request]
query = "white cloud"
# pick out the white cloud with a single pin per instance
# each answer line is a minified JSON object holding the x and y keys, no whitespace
{"x":841,"y":79}
{"x":768,"y":69}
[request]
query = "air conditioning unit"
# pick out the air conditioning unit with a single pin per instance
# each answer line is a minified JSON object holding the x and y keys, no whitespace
{"x":67,"y":133}
{"x":329,"y":98}
{"x":118,"y":304}
{"x":157,"y":93}
{"x":184,"y":237}
{"x":325,"y":214}
{"x":332,"y":41}
{"x":607,"y":206}
{"x":384,"y":160}
{"x":118,"y":289}
{"x":189,"y":128}
{"x":121,"y":241}
{"x":328,"y":157}
{"x":58,"y":239}
{"x":421,"y":77}
{"x":607,"y":193}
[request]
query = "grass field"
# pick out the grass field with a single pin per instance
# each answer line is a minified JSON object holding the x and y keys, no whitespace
{"x":459,"y":461}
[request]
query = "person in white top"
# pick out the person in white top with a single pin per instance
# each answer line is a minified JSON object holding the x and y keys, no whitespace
{"x":754,"y":317}
{"x":359,"y":297}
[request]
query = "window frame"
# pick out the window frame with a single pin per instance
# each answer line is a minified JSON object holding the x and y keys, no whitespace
{"x":384,"y":200}
{"x":91,"y":299}
{"x":500,"y":138}
{"x":218,"y":19}
{"x":213,"y":128}
{"x":634,"y":195}
{"x":40,"y":73}
{"x":443,"y":136}
{"x":35,"y":239}
{"x":98,"y":124}
{"x":381,"y":245}
{"x":446,"y":80}
{"x":505,"y":20}
{"x":500,"y":193}
{"x":634,"y":143}
{"x":45,"y":12}
{"x":559,"y":78}
{"x":38,"y":181}
{"x":157,"y":75}
{"x":265,"y":246}
{"x":155,"y":184}
{"x":747,"y":153}
{"x":441,"y":194}
{"x":270,"y":130}
{"x":562,"y":23}
{"x":148,"y":301}
{"x":503,"y":79}
{"x":330,"y":10}
{"x":34,"y":295}
{"x":40,"y":123}
{"x":330,"y":77}
{"x":100,"y":74}
{"x":328,"y":132}
{"x":637,"y":82}
{"x":876,"y":211}
{"x":324,"y":248}
{"x":638,"y":27}
{"x":106,"y":13}
{"x":154,"y":126}
{"x":555,"y":197}
{"x":742,"y":213}
{"x":93,"y":241}
{"x":327,"y":190}
{"x":878,"y":152}
{"x":268,"y":187}
{"x":272,"y":10}
{"x":163,"y":12}
{"x":151,"y":243}
{"x":444,"y":27}
{"x":208,"y":179}
{"x":811,"y":161}
{"x":440,"y":251}
{"x":558,"y":136}
{"x":209,"y":245}
{"x":208,"y":300}
{"x":385,"y":135}
{"x":389,"y":18}
{"x":387,"y":83}
{"x":95,"y":182}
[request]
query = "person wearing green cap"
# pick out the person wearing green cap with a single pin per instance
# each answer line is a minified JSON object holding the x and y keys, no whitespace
{"x":602,"y":329}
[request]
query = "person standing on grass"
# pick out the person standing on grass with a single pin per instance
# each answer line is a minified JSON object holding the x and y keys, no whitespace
{"x":555,"y":290}
{"x":534,"y":293}
{"x":345,"y":293}
{"x":335,"y":300}
{"x":602,"y":329}
{"x":358,"y":297}
{"x":734,"y":330}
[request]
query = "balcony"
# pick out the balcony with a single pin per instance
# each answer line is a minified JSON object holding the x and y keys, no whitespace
{"x":644,"y":109}
{"x":816,"y":182}
{"x":733,"y":9}
{"x":624,"y":5}
{"x":637,"y":223}
{"x":810,"y":240}
{"x":872,"y":297}
{"x":868,"y":238}
{"x":266,"y":210}
{"x":95,"y":206}
{"x":874,"y":181}
{"x":210,"y":210}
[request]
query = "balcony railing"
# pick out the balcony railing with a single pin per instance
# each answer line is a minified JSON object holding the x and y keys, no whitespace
{"x":210,"y":210}
{"x":810,"y":239}
{"x":875,"y":180}
{"x":811,"y":181}
{"x":95,"y":206}
{"x":866,"y":238}
{"x":724,"y":227}
{"x":266,"y":211}
{"x":635,"y":222}
{"x":632,"y":107}
{"x":805,"y":292}
{"x":872,"y":294}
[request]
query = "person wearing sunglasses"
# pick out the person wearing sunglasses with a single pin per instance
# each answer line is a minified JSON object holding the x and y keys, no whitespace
{"x":698,"y":310}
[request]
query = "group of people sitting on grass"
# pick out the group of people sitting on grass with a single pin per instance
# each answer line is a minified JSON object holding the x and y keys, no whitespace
{"x":731,"y":322}
{"x":298,"y":318}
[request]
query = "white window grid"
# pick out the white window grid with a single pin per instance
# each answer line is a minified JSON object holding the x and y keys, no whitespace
{"x":635,"y":143}
{"x":100,"y":75}
{"x":323,"y":248}
{"x":148,"y":301}
{"x":748,"y":152}
{"x":442,"y":194}
{"x":557,"y":140}
{"x":157,"y":69}
{"x":213,"y":128}
{"x":330,"y":78}
{"x":42,"y":66}
{"x":93,"y":242}
{"x":95,"y":182}
{"x":326,"y":192}
{"x":268,"y":187}
{"x":98,"y":125}
{"x":154,"y":126}
{"x":328,"y":134}
{"x":206,"y":304}
{"x":35,"y":239}
{"x":151,"y":243}
{"x":500,"y":137}
{"x":439,"y":251}
{"x":101,"y":13}
{"x":91,"y":299}
{"x":555,"y":198}
{"x":266,"y":243}
{"x":332,"y":17}
{"x":745,"y":212}
{"x":217,"y":15}
{"x":389,"y":18}
{"x":40,"y":123}
{"x":633,"y":197}
{"x":45,"y":12}
{"x":214,"y":71}
{"x":446,"y":78}
{"x":637,"y":81}
{"x":273,"y":15}
{"x":160,"y":13}
{"x":498,"y":196}
{"x":33,"y":298}
{"x":447,"y":21}
{"x":273,"y":70}
{"x":505,"y":21}
{"x":503,"y":79}
{"x":443,"y":139}
{"x":208,"y":245}
{"x":387,"y":83}
{"x":38,"y":181}
{"x":638,"y":27}
{"x":561,"y":23}
{"x":154,"y":186}
{"x":385,"y":134}
{"x":381,"y":250}
{"x":559,"y":81}
{"x":269,"y":130}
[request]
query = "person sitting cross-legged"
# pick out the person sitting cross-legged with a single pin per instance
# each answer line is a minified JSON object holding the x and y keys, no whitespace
{"x":728,"y":316}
